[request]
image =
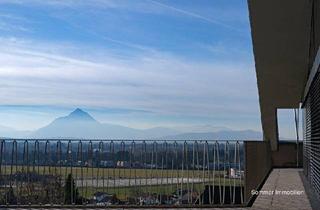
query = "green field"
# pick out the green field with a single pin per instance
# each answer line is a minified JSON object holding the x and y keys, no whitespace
{"x":124,"y":192}
{"x":88,"y":172}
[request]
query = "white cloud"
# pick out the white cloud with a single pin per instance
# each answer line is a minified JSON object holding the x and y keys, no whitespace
{"x":156,"y":82}
{"x":194,"y":15}
{"x":9,"y":23}
{"x":124,"y":73}
{"x":143,"y":6}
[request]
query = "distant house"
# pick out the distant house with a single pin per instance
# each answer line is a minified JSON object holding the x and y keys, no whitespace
{"x":107,"y":163}
{"x":123,"y":164}
{"x":148,"y":200}
{"x":234,"y":173}
{"x":185,"y":196}
{"x":137,"y":165}
{"x":104,"y":199}
{"x":150,"y":165}
{"x":88,"y":163}
{"x":79,"y":163}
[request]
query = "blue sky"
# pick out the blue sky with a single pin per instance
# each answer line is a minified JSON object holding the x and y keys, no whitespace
{"x":184,"y":64}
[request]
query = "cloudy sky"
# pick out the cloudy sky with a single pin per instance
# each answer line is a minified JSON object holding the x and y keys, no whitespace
{"x":184,"y":64}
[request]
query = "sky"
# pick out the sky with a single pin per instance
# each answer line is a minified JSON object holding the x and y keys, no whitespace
{"x":185,"y":64}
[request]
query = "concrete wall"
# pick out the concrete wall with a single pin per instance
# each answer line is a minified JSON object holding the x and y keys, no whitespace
{"x":257,"y":166}
{"x":286,"y":156}
{"x":280,"y":34}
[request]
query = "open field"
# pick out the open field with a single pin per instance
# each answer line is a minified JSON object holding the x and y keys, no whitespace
{"x":89,"y":172}
{"x":164,"y":189}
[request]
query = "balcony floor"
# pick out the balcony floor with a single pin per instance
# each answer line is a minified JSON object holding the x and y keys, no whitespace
{"x":283,"y":180}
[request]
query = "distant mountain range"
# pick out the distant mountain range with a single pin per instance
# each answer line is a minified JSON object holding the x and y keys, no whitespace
{"x":10,"y":132}
{"x":80,"y":124}
{"x":218,"y":135}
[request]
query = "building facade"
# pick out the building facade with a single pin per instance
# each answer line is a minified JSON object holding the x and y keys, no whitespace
{"x":286,"y":41}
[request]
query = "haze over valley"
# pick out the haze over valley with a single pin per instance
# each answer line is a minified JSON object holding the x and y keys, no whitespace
{"x":80,"y":124}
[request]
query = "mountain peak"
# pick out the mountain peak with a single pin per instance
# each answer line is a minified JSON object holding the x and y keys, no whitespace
{"x":78,"y":111}
{"x":79,"y":114}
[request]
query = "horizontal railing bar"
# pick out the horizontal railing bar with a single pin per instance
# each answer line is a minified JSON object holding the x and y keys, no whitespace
{"x":126,"y":206}
{"x":124,"y":140}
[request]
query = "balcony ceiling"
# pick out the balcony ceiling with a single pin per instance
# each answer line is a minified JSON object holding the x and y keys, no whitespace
{"x":280,"y":33}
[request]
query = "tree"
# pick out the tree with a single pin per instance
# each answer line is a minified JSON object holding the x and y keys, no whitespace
{"x":9,"y":197}
{"x":71,"y":192}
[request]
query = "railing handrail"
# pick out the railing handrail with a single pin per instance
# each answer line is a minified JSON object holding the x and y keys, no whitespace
{"x":124,"y":140}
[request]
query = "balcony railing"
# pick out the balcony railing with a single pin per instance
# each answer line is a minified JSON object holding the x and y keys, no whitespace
{"x":113,"y":173}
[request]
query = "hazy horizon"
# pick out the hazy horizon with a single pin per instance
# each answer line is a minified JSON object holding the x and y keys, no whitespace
{"x":181,"y":128}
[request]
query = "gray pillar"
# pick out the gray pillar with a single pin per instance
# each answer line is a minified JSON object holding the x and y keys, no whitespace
{"x":270,"y":126}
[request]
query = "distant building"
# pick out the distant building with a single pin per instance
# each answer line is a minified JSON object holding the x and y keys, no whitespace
{"x":234,"y":173}
{"x":123,"y":164}
{"x":107,"y":163}
{"x":104,"y":199}
{"x":148,"y":200}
